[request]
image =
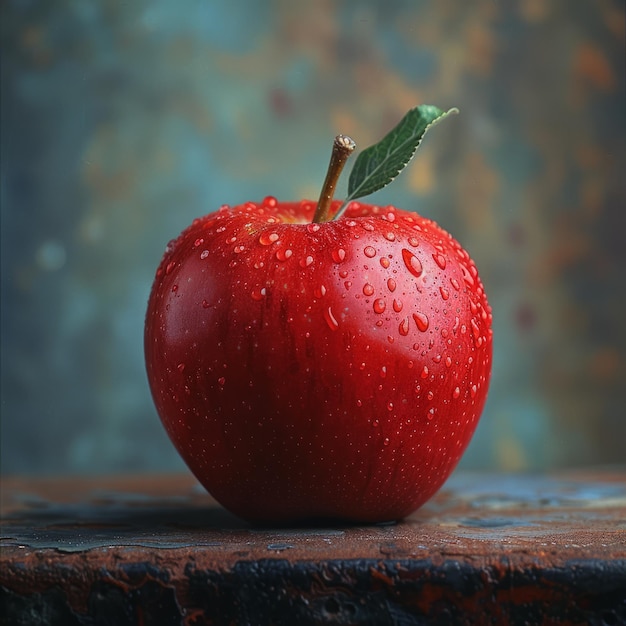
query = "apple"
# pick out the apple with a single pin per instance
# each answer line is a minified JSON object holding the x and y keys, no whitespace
{"x":309,"y":368}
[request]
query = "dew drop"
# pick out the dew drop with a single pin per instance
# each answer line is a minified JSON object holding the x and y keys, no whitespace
{"x":379,"y":305}
{"x":204,"y":254}
{"x":347,"y":284}
{"x":448,"y":362}
{"x":270,"y":201}
{"x":181,"y":367}
{"x":343,"y":274}
{"x":319,"y":291}
{"x":368,"y":290}
{"x":430,"y":395}
{"x":475,"y":329}
{"x":391,"y":284}
{"x":445,"y":294}
{"x":171,"y":264}
{"x":386,"y":441}
{"x":455,"y":284}
{"x":306,"y":261}
{"x":384,"y":261}
{"x":424,"y":373}
{"x":383,"y":371}
{"x":174,"y":288}
{"x":312,"y":228}
{"x":362,"y":366}
{"x":333,"y":324}
{"x":473,"y":391}
{"x":440,"y":260}
{"x":198,"y":242}
{"x":421,"y":320}
{"x":359,"y":403}
{"x":369,"y":252}
{"x":456,"y":393}
{"x":390,"y":236}
{"x":257,"y":294}
{"x":221,"y":381}
{"x":390,"y":406}
{"x":338,"y":255}
{"x":413,"y":241}
{"x":375,"y":422}
{"x":403,"y":328}
{"x":205,"y":304}
{"x":397,"y":305}
{"x":431,"y":414}
{"x":412,"y":263}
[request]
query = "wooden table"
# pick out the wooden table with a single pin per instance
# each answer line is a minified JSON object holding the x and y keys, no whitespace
{"x":488,"y":549}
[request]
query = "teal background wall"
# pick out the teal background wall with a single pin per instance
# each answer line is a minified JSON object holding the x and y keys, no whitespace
{"x":122,"y":121}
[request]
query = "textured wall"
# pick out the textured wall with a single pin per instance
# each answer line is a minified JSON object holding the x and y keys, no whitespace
{"x":121,"y":122}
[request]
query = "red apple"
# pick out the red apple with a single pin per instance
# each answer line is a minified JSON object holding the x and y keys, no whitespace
{"x":318,"y":370}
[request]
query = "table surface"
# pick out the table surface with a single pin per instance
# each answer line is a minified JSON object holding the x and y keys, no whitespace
{"x":157,"y":549}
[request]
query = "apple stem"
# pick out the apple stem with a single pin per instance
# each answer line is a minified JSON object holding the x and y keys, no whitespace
{"x":343,"y":147}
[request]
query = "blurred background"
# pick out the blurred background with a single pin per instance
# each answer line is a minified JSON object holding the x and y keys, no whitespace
{"x":122,"y":121}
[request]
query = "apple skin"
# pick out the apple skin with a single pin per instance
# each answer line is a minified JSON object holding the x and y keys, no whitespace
{"x":318,"y":371}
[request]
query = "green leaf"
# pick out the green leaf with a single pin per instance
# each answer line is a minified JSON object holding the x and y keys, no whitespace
{"x":379,"y":164}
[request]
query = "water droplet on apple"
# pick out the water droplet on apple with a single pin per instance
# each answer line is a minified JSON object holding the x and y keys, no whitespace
{"x":390,"y":236}
{"x":456,"y":393}
{"x":386,"y":441}
{"x":270,"y":201}
{"x":445,"y":294}
{"x":257,"y":294}
{"x":375,"y":422}
{"x":440,"y":260}
{"x":198,"y":242}
{"x":306,"y":261}
{"x":283,"y":254}
{"x":412,"y":263}
{"x":383,"y":371}
{"x":204,"y":254}
{"x":319,"y":291}
{"x":205,"y":304}
{"x":391,"y":284}
{"x":455,"y":284}
{"x":421,"y":320}
{"x":347,"y":284}
{"x":221,"y":381}
{"x":397,"y":305}
{"x":338,"y":255}
{"x":171,"y":265}
{"x":475,"y":329}
{"x":384,"y":261}
{"x":424,"y":373}
{"x":359,"y":403}
{"x":473,"y":391}
{"x":403,"y":328}
{"x":181,"y":367}
{"x":390,"y":406}
{"x":379,"y":306}
{"x":448,"y":362}
{"x":174,"y":288}
{"x":266,"y":239}
{"x":333,"y":324}
{"x":413,"y":241}
{"x":467,"y":277}
{"x":430,"y":395}
{"x":312,"y":228}
{"x":431,"y":414}
{"x":369,"y":252}
{"x":368,"y":290}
